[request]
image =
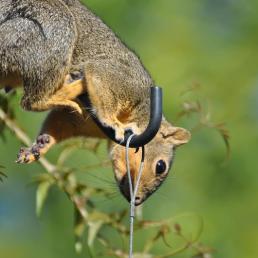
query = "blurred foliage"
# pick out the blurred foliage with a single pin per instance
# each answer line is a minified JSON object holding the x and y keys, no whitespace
{"x":204,"y":119}
{"x":88,"y":216}
{"x":5,"y":103}
{"x":204,"y":54}
{"x":2,"y":174}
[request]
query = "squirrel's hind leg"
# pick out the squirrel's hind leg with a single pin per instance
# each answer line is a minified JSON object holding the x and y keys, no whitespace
{"x":63,"y":97}
{"x":59,"y":125}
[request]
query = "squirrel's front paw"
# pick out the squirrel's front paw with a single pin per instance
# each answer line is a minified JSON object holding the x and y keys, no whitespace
{"x":119,"y":134}
{"x":120,"y":128}
{"x":28,"y":155}
{"x":120,"y":131}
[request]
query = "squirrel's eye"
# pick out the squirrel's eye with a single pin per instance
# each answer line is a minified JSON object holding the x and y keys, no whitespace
{"x":161,"y":167}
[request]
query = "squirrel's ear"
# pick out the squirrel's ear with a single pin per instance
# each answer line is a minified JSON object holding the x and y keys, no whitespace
{"x":177,"y":135}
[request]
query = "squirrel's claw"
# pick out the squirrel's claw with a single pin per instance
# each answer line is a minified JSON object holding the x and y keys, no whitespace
{"x":43,"y":140}
{"x":28,"y":155}
{"x":120,"y":131}
{"x":120,"y":128}
{"x":119,"y":134}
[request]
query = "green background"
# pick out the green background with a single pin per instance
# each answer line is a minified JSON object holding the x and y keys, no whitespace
{"x":208,"y":43}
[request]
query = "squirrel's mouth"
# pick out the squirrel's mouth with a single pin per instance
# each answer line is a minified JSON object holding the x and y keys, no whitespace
{"x":125,"y":191}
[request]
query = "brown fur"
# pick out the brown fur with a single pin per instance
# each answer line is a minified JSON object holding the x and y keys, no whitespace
{"x":43,"y":43}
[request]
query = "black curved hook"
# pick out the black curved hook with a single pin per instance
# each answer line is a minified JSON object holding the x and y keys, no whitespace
{"x":152,"y":128}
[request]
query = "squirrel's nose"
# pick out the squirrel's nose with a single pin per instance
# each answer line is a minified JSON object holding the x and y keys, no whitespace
{"x":138,"y":200}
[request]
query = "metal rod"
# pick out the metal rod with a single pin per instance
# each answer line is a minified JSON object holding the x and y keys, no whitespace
{"x":133,"y":190}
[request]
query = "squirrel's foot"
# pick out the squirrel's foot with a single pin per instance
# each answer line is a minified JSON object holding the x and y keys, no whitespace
{"x":132,"y":127}
{"x":121,"y":128}
{"x":116,"y":125}
{"x":119,"y":134}
{"x":28,"y":155}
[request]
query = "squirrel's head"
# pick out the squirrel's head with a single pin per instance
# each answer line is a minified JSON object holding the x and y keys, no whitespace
{"x":159,"y":154}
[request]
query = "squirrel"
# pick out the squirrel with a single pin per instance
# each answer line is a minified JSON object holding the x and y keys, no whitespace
{"x":58,"y":50}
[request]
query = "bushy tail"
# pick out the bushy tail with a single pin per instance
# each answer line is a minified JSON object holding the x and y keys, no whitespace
{"x":35,"y":34}
{"x":37,"y":39}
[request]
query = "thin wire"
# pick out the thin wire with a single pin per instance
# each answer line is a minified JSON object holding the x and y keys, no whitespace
{"x":133,"y":192}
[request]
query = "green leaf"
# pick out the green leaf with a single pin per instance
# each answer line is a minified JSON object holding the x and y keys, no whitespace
{"x":41,"y":195}
{"x":94,"y":228}
{"x":79,"y":228}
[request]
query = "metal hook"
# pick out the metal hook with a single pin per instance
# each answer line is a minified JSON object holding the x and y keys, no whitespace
{"x":150,"y":131}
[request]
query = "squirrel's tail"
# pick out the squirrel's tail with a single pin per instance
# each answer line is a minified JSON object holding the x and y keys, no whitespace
{"x":18,"y":45}
{"x":36,"y":37}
